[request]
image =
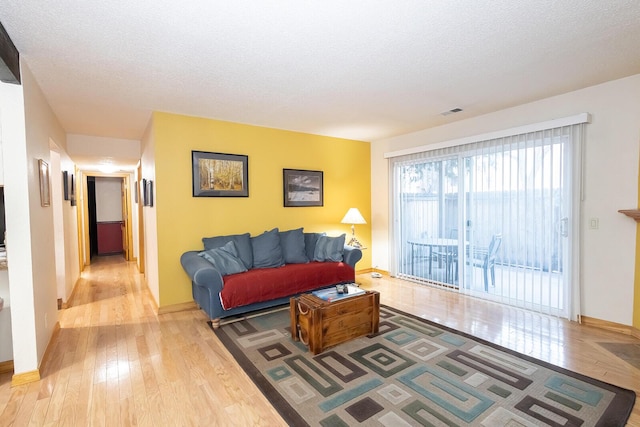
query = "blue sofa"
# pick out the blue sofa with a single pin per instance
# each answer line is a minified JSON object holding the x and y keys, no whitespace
{"x":253,"y":273}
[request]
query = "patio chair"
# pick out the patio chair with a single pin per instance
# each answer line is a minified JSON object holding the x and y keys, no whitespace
{"x":487,"y":260}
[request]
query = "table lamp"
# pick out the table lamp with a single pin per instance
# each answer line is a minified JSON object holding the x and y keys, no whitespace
{"x":353,"y":216}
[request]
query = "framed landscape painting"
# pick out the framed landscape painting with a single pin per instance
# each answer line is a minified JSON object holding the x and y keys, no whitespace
{"x":220,"y":175}
{"x":302,"y":188}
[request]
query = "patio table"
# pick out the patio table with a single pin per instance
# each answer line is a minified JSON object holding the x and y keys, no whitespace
{"x":446,"y":245}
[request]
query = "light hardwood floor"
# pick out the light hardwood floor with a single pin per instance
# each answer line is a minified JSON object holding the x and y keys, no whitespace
{"x":115,"y":363}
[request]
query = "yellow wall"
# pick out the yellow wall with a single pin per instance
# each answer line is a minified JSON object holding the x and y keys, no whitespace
{"x":183,"y":220}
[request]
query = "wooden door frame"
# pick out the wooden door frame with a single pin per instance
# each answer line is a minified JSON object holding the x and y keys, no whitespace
{"x":125,"y":228}
{"x":141,"y":247}
{"x":80,"y":218}
{"x":86,"y":254}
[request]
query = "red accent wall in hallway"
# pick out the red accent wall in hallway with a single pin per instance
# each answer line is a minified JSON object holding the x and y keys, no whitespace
{"x":109,"y":237}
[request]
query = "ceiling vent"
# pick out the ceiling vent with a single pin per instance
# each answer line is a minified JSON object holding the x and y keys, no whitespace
{"x":452,"y":111}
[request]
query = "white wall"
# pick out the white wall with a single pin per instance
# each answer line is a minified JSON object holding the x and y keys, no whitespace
{"x":134,"y":214}
{"x":70,"y":220}
{"x":80,"y":146}
{"x":28,"y":125}
{"x":149,"y":215}
{"x":108,"y":199}
{"x":611,"y":183}
{"x":65,"y":225}
{"x":57,"y":200}
{"x":17,"y":207}
{"x":41,"y":126}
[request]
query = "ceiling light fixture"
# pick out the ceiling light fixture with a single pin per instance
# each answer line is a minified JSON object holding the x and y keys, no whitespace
{"x":107,"y":167}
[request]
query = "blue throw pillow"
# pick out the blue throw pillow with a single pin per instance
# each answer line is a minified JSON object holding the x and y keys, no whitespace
{"x":224,"y":259}
{"x":329,"y":248}
{"x":293,"y":249}
{"x":266,"y":250}
{"x":242,"y":242}
{"x":310,"y":240}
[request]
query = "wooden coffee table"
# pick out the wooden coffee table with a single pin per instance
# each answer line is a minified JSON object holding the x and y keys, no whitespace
{"x":320,"y":324}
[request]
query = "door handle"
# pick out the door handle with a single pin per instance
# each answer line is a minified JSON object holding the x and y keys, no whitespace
{"x":564,"y":227}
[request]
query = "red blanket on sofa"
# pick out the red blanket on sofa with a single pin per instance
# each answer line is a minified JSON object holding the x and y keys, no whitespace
{"x":264,"y":284}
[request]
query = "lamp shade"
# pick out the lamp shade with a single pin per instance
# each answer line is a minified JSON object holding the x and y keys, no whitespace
{"x":353,"y":216}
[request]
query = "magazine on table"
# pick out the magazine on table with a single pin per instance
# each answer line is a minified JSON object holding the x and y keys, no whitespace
{"x":332,"y":294}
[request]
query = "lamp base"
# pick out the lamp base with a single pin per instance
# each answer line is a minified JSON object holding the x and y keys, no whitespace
{"x":355,"y":243}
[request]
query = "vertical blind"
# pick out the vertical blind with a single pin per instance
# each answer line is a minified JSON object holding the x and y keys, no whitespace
{"x":511,"y":205}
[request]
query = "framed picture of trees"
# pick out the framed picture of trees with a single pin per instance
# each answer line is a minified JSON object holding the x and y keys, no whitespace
{"x":220,"y":175}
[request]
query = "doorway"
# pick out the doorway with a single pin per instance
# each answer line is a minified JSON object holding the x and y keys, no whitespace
{"x":107,"y":212}
{"x":93,"y":222}
{"x":106,"y":218}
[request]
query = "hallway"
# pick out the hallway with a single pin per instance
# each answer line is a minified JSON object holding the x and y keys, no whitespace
{"x":114,"y":362}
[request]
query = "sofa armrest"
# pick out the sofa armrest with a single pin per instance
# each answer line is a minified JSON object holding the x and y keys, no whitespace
{"x":201,"y":272}
{"x":351,"y":255}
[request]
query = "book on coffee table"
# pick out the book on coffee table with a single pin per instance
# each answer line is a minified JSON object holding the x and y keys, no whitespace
{"x":331,"y":294}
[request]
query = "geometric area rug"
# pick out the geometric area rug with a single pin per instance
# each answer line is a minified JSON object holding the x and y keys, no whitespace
{"x":415,"y":372}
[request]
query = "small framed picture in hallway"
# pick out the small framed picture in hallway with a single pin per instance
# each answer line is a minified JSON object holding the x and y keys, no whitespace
{"x":65,"y":184}
{"x":143,"y":193}
{"x":45,"y":186}
{"x":148,"y":198}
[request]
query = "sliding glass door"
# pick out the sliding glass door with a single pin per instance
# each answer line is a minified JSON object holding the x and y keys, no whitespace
{"x":429,"y":219}
{"x":490,"y":219}
{"x":516,"y":216}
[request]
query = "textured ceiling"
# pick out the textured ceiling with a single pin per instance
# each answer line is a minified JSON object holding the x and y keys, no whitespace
{"x":355,"y":69}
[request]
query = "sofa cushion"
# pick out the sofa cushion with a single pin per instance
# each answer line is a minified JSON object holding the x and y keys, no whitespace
{"x":293,"y":248}
{"x":242,"y":242}
{"x":225,"y":259}
{"x":329,"y":248}
{"x":267,"y":252}
{"x":310,"y":240}
{"x":265,"y":284}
